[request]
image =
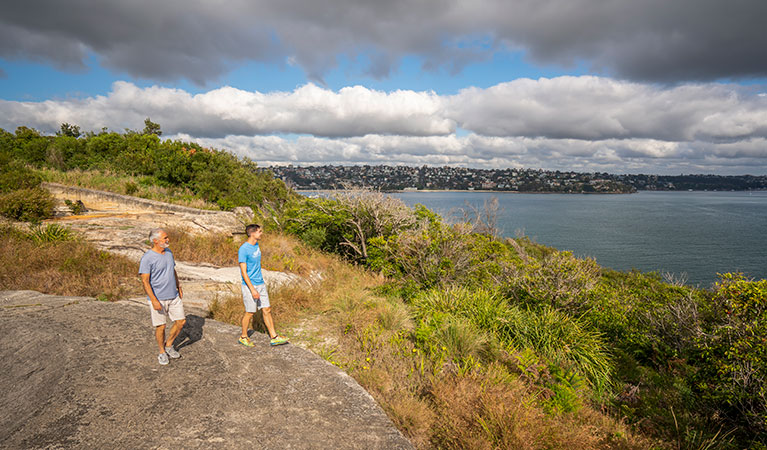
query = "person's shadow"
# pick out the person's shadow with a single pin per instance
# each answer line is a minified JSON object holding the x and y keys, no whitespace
{"x":191,"y":333}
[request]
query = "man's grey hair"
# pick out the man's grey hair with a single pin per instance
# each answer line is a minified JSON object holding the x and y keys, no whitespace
{"x":155,"y":234}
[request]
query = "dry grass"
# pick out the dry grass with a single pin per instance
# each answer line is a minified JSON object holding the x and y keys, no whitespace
{"x":216,"y":249}
{"x":126,"y":185}
{"x":279,"y":252}
{"x":292,"y":302}
{"x":483,"y":411}
{"x":64,"y":268}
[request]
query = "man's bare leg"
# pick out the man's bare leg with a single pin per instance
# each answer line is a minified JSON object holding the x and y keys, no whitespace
{"x":174,"y":331}
{"x":246,"y":319}
{"x":159,"y":334}
{"x":267,"y":314}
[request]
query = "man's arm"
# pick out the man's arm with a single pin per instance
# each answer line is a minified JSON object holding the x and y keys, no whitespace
{"x":148,"y":288}
{"x":244,"y":271}
{"x":178,"y":284}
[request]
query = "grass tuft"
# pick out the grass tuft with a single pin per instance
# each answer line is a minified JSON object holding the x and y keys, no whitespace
{"x":52,"y":264}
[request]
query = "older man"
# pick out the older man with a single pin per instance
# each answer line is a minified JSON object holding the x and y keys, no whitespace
{"x":158,"y":274}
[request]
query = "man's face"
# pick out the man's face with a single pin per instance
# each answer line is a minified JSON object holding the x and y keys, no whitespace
{"x":257,"y":234}
{"x":162,"y":240}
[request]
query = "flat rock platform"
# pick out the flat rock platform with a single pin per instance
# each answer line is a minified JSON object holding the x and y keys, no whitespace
{"x":80,"y":373}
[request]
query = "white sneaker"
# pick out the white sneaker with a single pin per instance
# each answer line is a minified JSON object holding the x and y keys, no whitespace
{"x":162,"y":358}
{"x":172,"y":352}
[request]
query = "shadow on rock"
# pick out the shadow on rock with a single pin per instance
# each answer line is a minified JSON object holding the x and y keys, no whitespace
{"x":191,"y":333}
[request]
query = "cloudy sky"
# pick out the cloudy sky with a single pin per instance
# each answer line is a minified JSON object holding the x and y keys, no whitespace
{"x":622,"y":86}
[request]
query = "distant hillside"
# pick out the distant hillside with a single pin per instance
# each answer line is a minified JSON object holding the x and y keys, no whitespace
{"x":516,"y":180}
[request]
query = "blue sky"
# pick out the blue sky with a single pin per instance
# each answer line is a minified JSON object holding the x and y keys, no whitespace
{"x":627,"y":86}
{"x":37,"y":81}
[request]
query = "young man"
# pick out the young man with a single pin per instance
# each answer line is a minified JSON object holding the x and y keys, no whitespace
{"x":158,"y":274}
{"x":254,"y":294}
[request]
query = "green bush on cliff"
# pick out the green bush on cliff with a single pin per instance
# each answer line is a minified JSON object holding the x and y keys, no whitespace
{"x":731,"y":353}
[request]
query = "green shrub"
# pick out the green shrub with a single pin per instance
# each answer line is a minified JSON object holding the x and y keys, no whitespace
{"x":433,"y":253}
{"x":15,"y":175}
{"x":27,"y":205}
{"x":558,"y":279}
{"x":130,"y":188}
{"x":350,"y":220}
{"x":76,"y":207}
{"x":314,"y":237}
{"x":214,"y":176}
{"x":733,"y":353}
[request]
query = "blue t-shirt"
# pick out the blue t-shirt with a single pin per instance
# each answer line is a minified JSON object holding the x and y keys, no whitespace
{"x":162,"y":277}
{"x":251,"y":256}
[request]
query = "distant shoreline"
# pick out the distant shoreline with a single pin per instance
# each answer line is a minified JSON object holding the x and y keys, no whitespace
{"x":426,"y":191}
{"x":436,"y":191}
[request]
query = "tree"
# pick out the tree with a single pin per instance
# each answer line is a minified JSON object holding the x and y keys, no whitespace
{"x":151,"y":127}
{"x":69,"y":130}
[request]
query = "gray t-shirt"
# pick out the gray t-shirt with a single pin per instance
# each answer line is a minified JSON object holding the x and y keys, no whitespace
{"x":162,"y":277}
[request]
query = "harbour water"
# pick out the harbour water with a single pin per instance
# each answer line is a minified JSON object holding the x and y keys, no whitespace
{"x":692,"y":235}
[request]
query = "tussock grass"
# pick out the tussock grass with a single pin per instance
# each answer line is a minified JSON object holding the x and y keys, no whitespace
{"x":553,"y":335}
{"x":63,"y":266}
{"x":228,"y":307}
{"x":50,"y":233}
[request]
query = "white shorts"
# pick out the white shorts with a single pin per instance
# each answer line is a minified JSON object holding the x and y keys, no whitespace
{"x":252,"y":305}
{"x":170,"y":308}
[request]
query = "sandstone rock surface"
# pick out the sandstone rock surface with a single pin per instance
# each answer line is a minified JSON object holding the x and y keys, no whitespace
{"x":121,"y":224}
{"x":79,"y":373}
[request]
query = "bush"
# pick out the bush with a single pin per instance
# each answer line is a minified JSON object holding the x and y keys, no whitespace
{"x":733,"y":353}
{"x":559,"y":280}
{"x":14,"y":176}
{"x":130,"y":188}
{"x":349,"y":220}
{"x":75,"y":207}
{"x":433,"y":253}
{"x":27,"y":205}
{"x":314,"y":237}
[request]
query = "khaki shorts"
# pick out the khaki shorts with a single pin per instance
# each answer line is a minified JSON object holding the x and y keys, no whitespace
{"x":170,"y":308}
{"x":252,"y":305}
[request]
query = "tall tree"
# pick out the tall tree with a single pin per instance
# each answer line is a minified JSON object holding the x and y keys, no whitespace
{"x":151,"y":127}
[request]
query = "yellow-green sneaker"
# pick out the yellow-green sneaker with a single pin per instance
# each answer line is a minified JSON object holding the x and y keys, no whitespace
{"x":278,"y":340}
{"x":246,"y":342}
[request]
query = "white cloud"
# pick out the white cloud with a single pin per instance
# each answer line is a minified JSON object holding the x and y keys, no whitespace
{"x":352,"y":111}
{"x":561,"y":123}
{"x":601,"y":108}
